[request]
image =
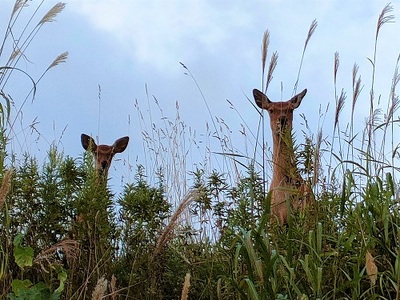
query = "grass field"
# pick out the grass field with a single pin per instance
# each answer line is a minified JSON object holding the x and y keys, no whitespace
{"x":200,"y":232}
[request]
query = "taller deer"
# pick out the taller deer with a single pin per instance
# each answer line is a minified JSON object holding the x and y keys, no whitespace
{"x":103,"y":153}
{"x":287,"y":185}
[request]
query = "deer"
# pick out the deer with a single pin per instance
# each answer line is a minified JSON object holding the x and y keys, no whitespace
{"x":288,"y":189}
{"x":103,"y":153}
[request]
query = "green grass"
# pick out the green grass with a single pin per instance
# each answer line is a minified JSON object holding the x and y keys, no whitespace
{"x":65,"y":236}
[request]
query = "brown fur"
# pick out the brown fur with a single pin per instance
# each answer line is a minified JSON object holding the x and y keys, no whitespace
{"x":103,"y":153}
{"x":287,"y":183}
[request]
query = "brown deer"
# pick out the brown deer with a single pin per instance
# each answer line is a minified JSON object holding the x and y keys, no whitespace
{"x":287,"y":185}
{"x":103,"y":153}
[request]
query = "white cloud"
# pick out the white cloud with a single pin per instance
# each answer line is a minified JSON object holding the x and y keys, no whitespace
{"x":163,"y":32}
{"x":220,"y":41}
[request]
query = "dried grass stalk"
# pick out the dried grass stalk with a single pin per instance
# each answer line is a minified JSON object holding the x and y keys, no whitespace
{"x":100,"y":289}
{"x":311,"y":31}
{"x":272,"y":65}
{"x":5,"y":187}
{"x":58,"y":60}
{"x":264,"y":50}
{"x":52,"y":13}
{"x":356,"y":87}
{"x":113,"y":287}
{"x":339,"y":107}
{"x":69,"y":247}
{"x":167,"y":233}
{"x":384,"y":18}
{"x":15,"y":54}
{"x":186,"y":286}
{"x":372,"y":269}
{"x":18,"y":5}
{"x":336,"y":66}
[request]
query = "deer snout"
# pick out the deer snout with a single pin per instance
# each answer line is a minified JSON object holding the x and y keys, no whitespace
{"x":104,"y":164}
{"x":282,"y":121}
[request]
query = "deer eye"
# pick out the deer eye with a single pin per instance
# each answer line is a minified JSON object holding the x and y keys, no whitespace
{"x":270,"y":110}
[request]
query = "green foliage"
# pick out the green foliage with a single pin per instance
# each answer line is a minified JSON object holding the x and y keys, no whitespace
{"x":316,"y":260}
{"x":59,"y":218}
{"x":142,"y":216}
{"x":248,"y":203}
{"x":25,"y":289}
{"x":23,"y":255}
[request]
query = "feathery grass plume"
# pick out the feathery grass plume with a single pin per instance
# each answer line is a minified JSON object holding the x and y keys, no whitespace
{"x":18,"y":4}
{"x":113,"y":288}
{"x":370,"y":266}
{"x":384,"y":18}
{"x":58,"y":60}
{"x":52,"y":13}
{"x":5,"y":187}
{"x":356,"y":88}
{"x":264,"y":53}
{"x":272,"y":66}
{"x":339,"y":107}
{"x":167,"y":233}
{"x":374,"y":120}
{"x":100,"y":289}
{"x":186,"y":286}
{"x":14,"y":54}
{"x":394,"y":105}
{"x":394,"y":100}
{"x":311,"y":31}
{"x":395,"y":80}
{"x":336,"y":64}
{"x":69,"y":247}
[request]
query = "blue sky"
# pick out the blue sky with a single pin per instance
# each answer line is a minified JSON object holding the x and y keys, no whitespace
{"x":124,"y":46}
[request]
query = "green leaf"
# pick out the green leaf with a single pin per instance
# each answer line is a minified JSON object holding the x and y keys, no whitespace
{"x":18,"y":239}
{"x":252,"y":290}
{"x":23,"y":290}
{"x":62,"y":276}
{"x":19,"y":285}
{"x":23,"y":255}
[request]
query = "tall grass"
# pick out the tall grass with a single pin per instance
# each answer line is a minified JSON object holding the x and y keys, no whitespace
{"x":20,"y":34}
{"x":201,"y":229}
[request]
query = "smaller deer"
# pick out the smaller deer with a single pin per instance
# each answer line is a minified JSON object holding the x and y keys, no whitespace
{"x":103,"y":153}
{"x":287,"y":183}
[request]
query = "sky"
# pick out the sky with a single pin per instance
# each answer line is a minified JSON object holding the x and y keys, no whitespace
{"x":122,"y":55}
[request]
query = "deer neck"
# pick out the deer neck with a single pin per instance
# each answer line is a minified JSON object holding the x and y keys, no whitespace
{"x":284,"y":161}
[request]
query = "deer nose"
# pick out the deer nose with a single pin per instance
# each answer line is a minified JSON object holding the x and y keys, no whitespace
{"x":104,"y":164}
{"x":282,"y":121}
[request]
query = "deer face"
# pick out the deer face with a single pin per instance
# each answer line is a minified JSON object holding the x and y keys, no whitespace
{"x":104,"y":153}
{"x":280,"y":113}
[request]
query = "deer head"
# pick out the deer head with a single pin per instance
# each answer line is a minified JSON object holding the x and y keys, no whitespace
{"x":280,"y":113}
{"x":103,"y":153}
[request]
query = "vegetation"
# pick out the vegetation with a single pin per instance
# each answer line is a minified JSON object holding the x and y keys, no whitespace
{"x":65,"y":236}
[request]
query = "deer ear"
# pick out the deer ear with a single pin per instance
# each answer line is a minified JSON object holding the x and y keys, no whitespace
{"x":88,"y":142}
{"x":121,"y":144}
{"x":262,"y":100}
{"x":296,"y":100}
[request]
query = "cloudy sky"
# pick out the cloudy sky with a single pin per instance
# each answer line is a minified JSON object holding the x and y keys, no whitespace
{"x":123,"y":54}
